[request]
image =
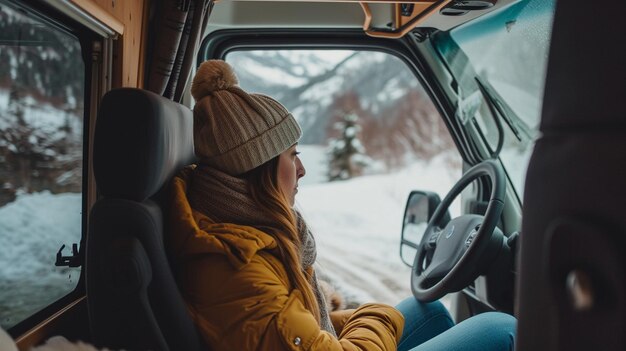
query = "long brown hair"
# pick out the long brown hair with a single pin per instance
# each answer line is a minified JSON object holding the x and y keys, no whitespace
{"x":264,"y":189}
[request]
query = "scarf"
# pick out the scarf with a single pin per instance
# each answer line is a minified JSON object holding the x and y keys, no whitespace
{"x":226,"y":199}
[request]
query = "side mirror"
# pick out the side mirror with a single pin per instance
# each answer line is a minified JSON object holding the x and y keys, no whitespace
{"x":420,"y":207}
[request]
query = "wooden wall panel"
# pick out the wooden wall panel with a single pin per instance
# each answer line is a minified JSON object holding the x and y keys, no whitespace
{"x":99,"y":12}
{"x":130,"y":49}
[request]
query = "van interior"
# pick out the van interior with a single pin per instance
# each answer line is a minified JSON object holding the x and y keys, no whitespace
{"x":497,"y":120}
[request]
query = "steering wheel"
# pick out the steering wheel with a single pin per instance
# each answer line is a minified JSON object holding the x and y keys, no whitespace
{"x":449,"y":259}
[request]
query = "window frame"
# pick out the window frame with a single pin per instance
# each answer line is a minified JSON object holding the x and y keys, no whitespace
{"x":56,"y":19}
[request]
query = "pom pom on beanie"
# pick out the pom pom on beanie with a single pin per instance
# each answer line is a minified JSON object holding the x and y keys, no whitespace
{"x":212,"y":75}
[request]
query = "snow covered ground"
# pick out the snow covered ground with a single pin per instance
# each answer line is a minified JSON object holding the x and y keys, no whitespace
{"x":32,"y":229}
{"x":357,"y":224}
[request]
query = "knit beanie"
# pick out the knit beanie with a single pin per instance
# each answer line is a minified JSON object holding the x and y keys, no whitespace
{"x":235,"y":131}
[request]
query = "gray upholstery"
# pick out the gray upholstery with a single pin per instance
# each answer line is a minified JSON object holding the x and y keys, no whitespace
{"x":141,"y":140}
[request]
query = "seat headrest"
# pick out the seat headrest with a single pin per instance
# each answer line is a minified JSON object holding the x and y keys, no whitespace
{"x":141,"y":140}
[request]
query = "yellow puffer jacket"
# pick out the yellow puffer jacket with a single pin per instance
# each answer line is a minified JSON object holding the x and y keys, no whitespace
{"x":239,"y":295}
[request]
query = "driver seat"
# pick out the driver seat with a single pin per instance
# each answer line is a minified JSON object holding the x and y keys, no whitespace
{"x":141,"y":141}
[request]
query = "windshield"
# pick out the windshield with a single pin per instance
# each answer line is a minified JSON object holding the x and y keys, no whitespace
{"x":499,"y":65}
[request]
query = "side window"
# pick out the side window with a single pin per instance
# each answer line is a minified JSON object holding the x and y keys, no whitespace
{"x":41,"y":161}
{"x":371,"y":135}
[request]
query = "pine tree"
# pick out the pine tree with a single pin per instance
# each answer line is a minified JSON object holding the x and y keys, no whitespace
{"x":347,"y":156}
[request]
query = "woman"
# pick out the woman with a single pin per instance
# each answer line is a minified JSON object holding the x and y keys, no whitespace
{"x":244,"y":257}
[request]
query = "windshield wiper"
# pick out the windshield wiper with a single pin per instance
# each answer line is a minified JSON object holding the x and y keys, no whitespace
{"x":499,"y":108}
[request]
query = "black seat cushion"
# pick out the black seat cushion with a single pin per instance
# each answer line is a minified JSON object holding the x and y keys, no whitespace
{"x":141,"y":141}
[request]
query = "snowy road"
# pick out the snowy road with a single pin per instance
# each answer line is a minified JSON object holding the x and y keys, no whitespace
{"x":363,"y":278}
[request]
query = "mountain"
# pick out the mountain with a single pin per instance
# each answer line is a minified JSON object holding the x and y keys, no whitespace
{"x":397,"y":118}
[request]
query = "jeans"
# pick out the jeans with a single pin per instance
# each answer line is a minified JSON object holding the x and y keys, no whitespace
{"x":429,"y":327}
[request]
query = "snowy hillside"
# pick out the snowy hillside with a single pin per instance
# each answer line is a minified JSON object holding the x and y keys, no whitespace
{"x":40,"y":147}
